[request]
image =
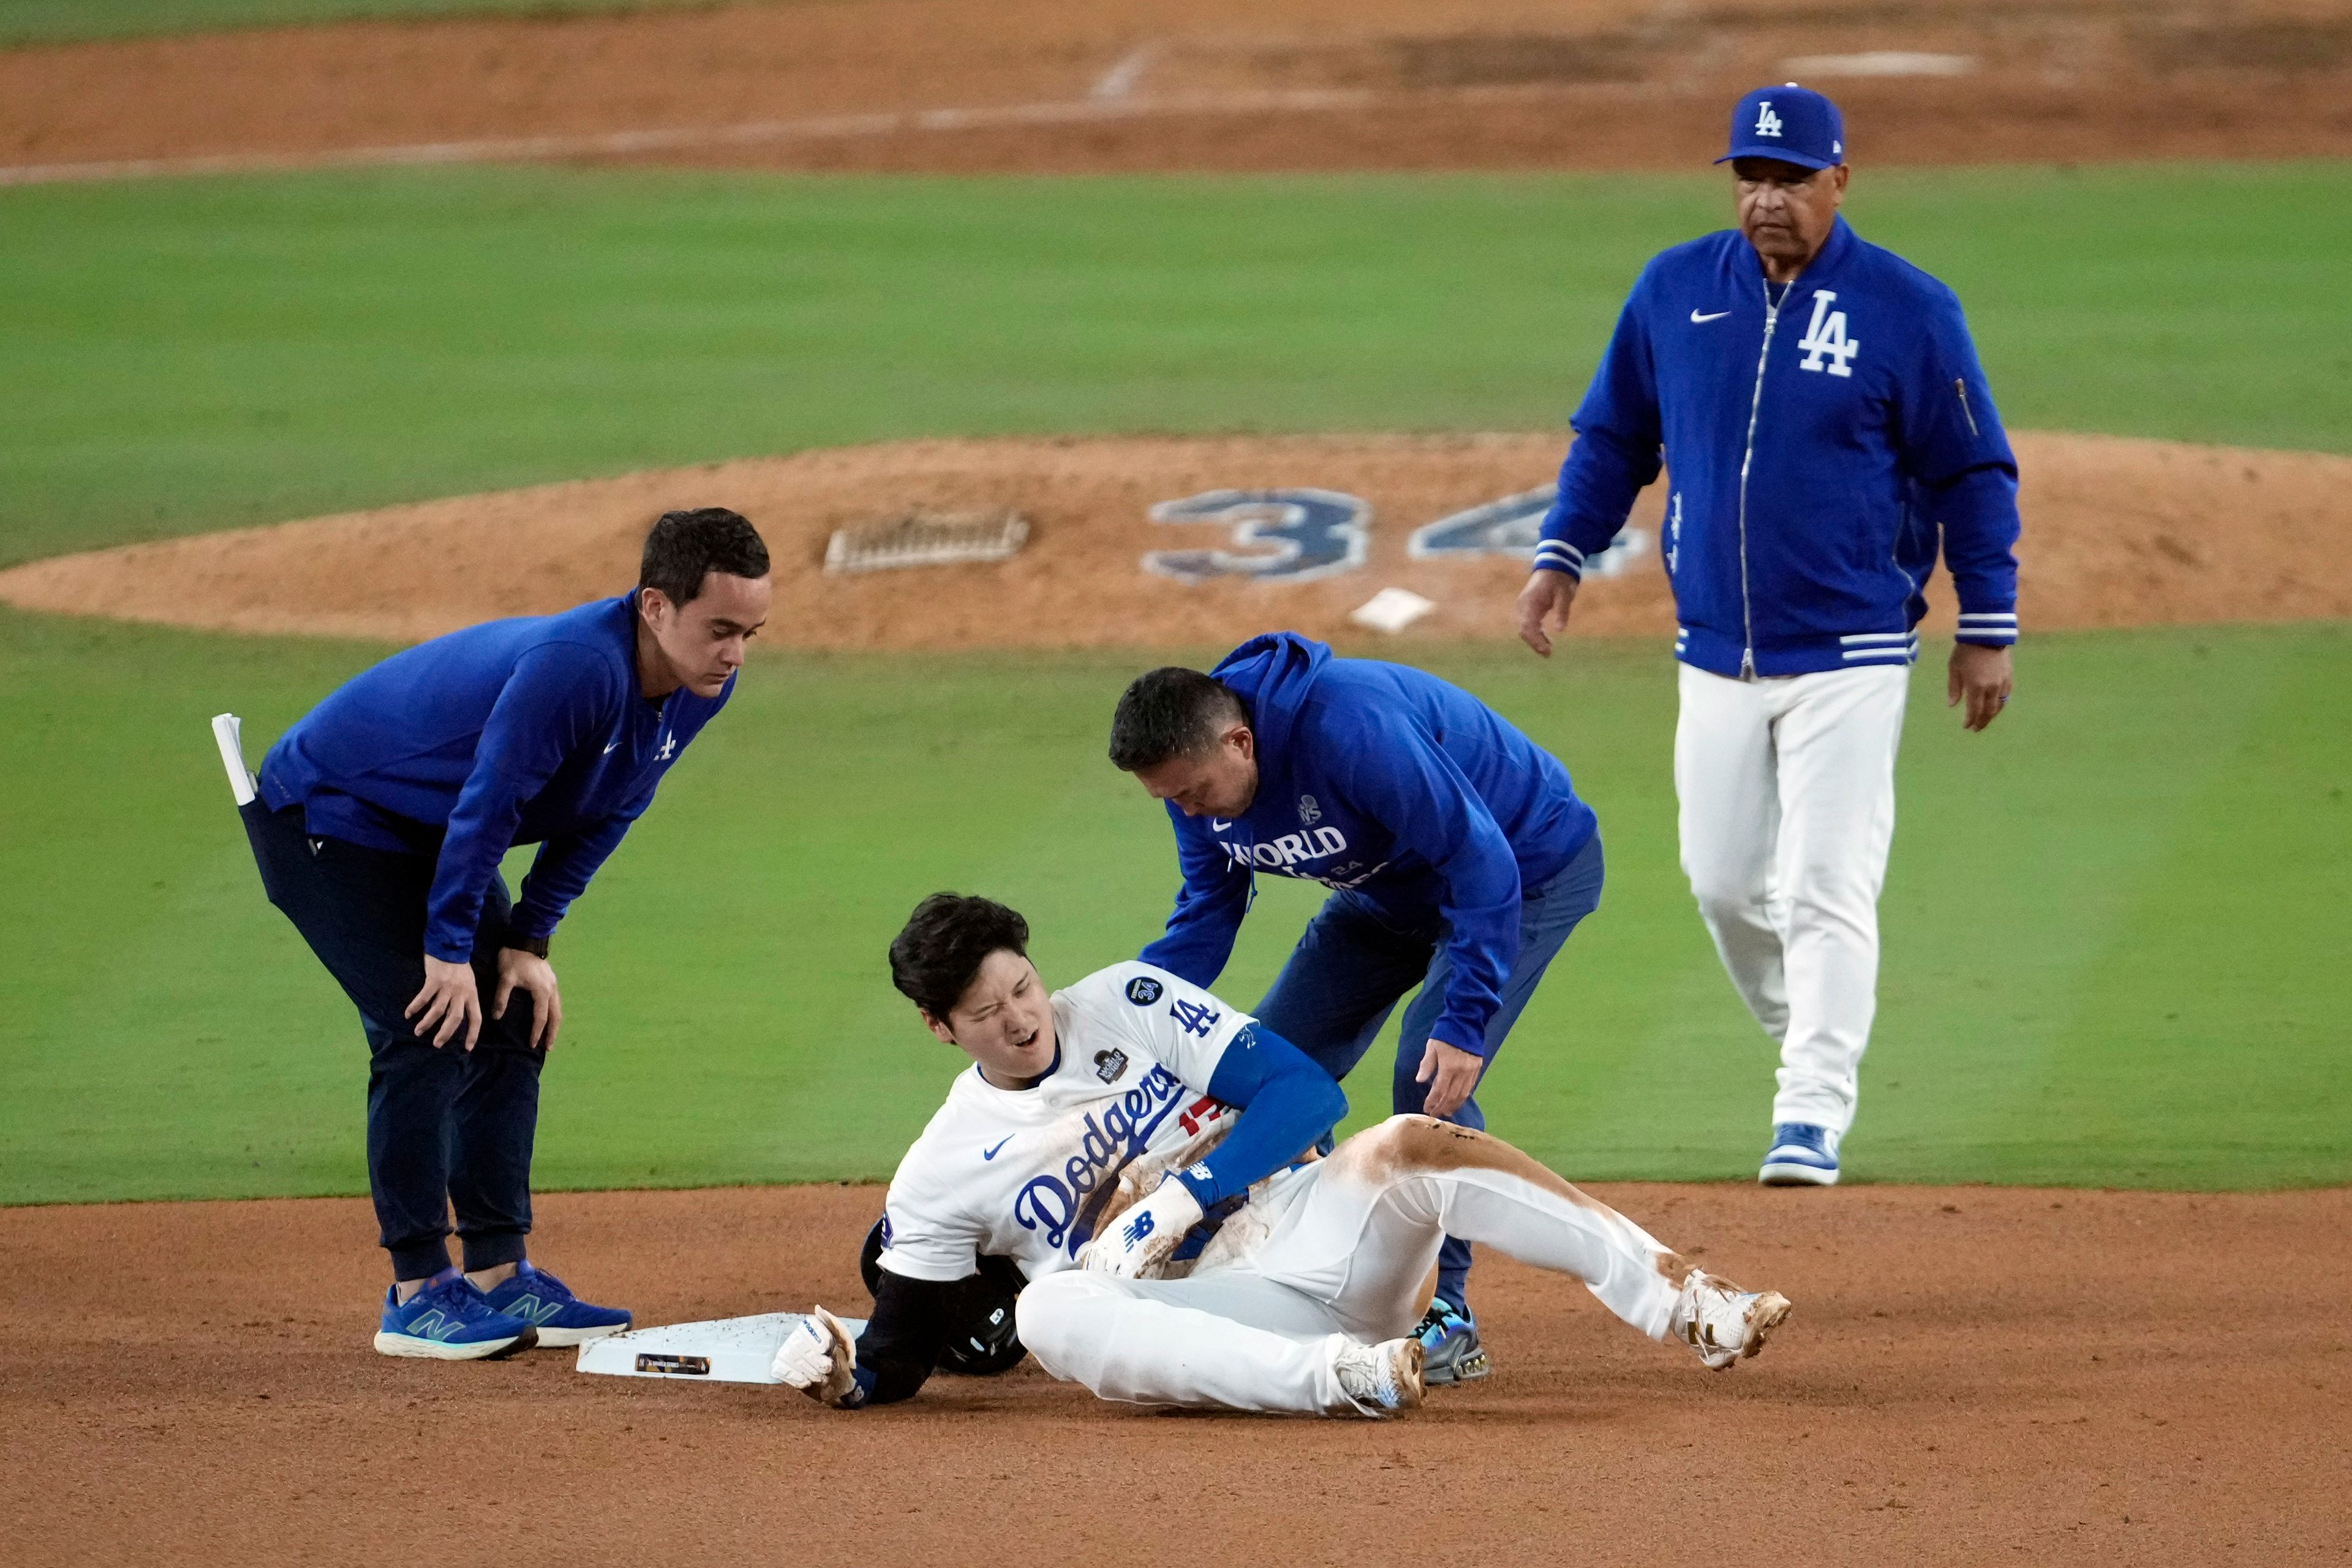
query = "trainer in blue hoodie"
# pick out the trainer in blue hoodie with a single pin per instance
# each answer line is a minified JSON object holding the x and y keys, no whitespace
{"x":1826,"y":432}
{"x":1458,"y":857}
{"x":379,"y":823}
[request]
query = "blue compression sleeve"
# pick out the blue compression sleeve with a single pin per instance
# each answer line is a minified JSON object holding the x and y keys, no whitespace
{"x":1287,"y":1103}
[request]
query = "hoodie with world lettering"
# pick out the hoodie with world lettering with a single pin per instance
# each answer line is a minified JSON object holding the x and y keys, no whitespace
{"x":1385,"y":782}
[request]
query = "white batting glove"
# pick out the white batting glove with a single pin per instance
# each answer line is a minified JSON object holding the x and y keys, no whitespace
{"x":818,"y":1358}
{"x":1142,"y":1238}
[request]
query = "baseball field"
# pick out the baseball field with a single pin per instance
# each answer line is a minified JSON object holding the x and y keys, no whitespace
{"x":334,"y":326}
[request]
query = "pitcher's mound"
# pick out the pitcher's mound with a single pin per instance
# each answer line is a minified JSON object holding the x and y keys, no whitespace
{"x":2119,"y":533}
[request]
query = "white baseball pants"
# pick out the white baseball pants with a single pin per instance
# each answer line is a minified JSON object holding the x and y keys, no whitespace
{"x":1786,"y":787}
{"x":1346,"y":1258}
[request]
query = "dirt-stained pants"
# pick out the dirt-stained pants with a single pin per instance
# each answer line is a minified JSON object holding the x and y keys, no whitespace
{"x":1345,"y":1260}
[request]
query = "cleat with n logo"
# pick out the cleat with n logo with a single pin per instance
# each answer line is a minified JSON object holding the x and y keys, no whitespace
{"x":448,"y":1320}
{"x":555,"y":1314}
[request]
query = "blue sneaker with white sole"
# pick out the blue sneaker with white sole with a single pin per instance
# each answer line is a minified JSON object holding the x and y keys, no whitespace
{"x":1802,"y":1155}
{"x":547,"y":1303}
{"x":448,"y":1320}
{"x":1449,"y":1345}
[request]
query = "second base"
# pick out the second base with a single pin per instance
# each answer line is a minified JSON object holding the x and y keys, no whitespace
{"x":724,"y":1350}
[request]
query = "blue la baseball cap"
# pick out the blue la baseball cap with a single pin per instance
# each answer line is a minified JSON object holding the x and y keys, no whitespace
{"x":1792,"y":124}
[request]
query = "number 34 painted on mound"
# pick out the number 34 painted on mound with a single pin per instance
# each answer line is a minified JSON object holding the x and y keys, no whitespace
{"x":1297,"y":535}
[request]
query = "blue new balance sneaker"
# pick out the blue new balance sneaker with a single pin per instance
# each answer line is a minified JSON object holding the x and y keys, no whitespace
{"x":1802,"y":1155}
{"x":1449,"y":1351}
{"x":540,"y":1298}
{"x":448,"y":1320}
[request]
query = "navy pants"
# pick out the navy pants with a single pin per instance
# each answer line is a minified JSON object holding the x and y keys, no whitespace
{"x":1356,"y":961}
{"x":446,"y":1129}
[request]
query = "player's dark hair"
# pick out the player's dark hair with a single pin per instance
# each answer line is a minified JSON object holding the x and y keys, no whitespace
{"x":943,"y":945}
{"x":686,"y":546}
{"x":1172,"y":712}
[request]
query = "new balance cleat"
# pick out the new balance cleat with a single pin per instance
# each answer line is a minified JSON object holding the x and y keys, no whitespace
{"x":448,"y":1320}
{"x":1449,"y":1351}
{"x":1802,"y":1155}
{"x":1380,"y":1378}
{"x":1722,"y":1322}
{"x":545,"y":1303}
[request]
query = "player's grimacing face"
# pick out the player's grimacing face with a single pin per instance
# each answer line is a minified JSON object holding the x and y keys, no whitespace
{"x":1220,"y":781}
{"x":703,"y":639}
{"x":1785,"y":210}
{"x":1003,"y":1021}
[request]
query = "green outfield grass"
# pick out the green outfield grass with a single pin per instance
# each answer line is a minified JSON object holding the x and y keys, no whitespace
{"x":2114,"y":929}
{"x":61,"y":21}
{"x":183,"y":355}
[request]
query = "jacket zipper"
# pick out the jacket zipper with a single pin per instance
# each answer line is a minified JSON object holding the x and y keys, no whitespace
{"x":1755,"y":408}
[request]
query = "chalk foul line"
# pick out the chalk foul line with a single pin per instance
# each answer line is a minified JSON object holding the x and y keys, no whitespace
{"x":822,"y":128}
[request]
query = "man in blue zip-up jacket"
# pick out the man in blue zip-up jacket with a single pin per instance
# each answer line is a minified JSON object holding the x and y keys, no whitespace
{"x":1458,"y":854}
{"x":379,"y":823}
{"x":1827,"y":432}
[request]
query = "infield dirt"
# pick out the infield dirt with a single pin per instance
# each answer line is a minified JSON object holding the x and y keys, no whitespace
{"x":1972,"y":1375}
{"x":2120,"y":532}
{"x":1048,"y":85}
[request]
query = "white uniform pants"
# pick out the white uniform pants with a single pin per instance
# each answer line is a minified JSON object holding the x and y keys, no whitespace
{"x":1786,"y":787}
{"x":1353,"y":1243}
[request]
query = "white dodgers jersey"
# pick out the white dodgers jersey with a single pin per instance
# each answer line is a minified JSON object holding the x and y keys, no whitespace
{"x":1033,"y":1174}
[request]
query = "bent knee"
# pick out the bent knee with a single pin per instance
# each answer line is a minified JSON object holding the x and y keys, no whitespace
{"x":1408,"y":1143}
{"x":1059,"y":1317}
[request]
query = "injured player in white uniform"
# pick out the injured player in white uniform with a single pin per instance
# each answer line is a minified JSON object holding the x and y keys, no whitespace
{"x":1134,"y":1145}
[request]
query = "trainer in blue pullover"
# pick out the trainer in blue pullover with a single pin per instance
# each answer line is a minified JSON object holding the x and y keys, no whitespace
{"x":1826,"y":431}
{"x":381,"y":820}
{"x":1458,"y":857}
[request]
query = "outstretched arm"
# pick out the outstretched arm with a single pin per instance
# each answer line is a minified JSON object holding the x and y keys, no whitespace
{"x":900,"y":1347}
{"x":1209,"y":908}
{"x":1402,"y":777}
{"x":560,"y":871}
{"x":554,"y":701}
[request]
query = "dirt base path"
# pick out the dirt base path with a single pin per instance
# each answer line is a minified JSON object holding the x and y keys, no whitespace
{"x":1972,"y":1375}
{"x":2120,"y":532}
{"x":1025,"y":85}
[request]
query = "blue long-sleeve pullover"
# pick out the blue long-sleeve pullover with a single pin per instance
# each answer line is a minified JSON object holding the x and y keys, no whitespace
{"x":1384,"y":779}
{"x":533,"y":731}
{"x":1817,"y":439}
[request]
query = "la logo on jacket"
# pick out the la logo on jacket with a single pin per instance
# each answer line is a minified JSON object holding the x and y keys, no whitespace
{"x":1825,"y":338}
